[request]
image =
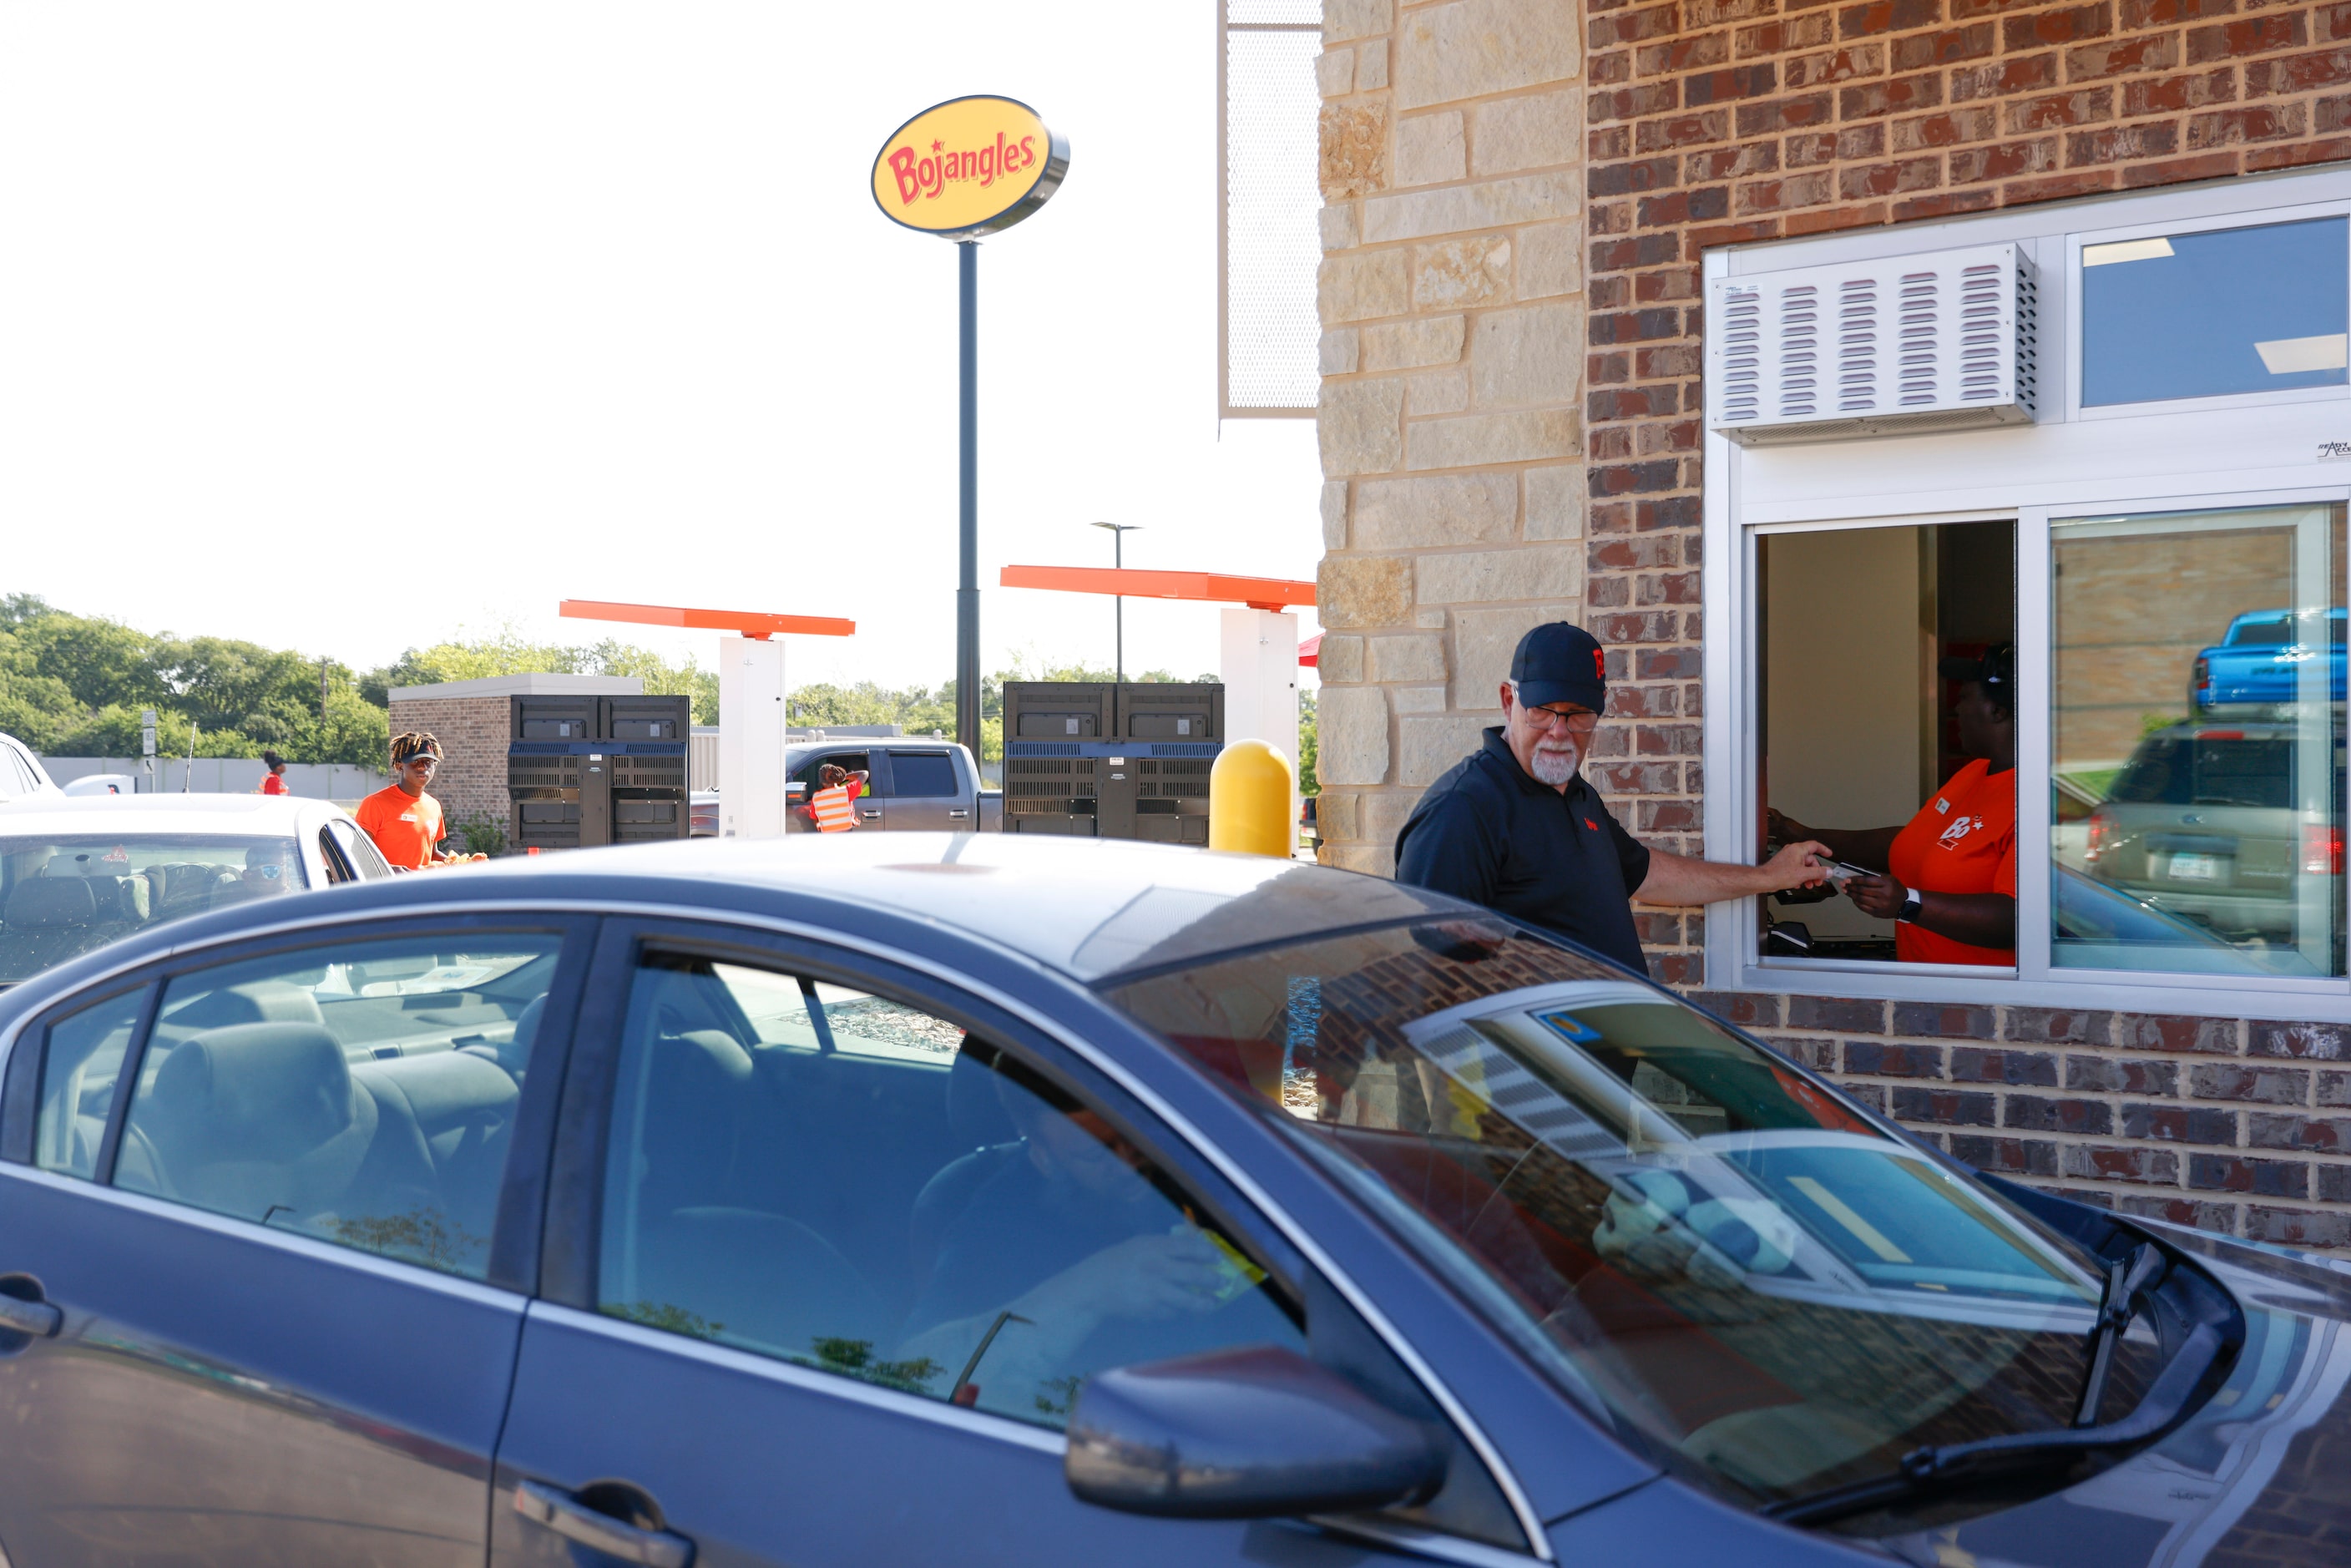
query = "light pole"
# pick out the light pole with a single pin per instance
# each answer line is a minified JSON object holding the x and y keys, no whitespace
{"x":1118,"y":532}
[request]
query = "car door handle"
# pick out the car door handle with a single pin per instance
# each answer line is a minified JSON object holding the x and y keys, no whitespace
{"x":874,"y":815}
{"x":954,"y":814}
{"x":22,"y":1310}
{"x":566,"y":1515}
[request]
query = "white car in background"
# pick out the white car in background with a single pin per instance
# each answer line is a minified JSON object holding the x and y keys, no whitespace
{"x":78,"y":872}
{"x":22,"y":777}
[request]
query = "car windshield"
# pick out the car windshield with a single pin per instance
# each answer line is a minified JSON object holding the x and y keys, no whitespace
{"x":1747,"y":1275}
{"x":62,"y":895}
{"x":2209,"y":767}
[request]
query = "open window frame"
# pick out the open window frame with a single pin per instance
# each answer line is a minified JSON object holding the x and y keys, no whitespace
{"x":2257,"y":450}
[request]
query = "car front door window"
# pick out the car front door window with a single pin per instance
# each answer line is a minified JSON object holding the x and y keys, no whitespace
{"x":843,"y":1181}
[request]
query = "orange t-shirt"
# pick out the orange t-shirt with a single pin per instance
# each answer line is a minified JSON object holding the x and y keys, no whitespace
{"x":1962,"y":840}
{"x":271,"y":784}
{"x":404,"y":828}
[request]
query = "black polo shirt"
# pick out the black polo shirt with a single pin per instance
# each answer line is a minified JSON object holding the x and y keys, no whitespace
{"x":1489,"y":832}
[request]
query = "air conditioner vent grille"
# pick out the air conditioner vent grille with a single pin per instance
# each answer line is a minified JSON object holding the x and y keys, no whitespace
{"x":1833,"y":353}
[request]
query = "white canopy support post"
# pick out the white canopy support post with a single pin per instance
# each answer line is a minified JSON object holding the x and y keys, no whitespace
{"x":1260,"y":665}
{"x":751,"y":723}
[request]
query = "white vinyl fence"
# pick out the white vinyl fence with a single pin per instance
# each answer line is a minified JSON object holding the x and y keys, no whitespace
{"x":224,"y":776}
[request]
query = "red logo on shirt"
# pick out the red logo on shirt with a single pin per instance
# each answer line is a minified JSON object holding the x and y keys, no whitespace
{"x":1592,"y":825}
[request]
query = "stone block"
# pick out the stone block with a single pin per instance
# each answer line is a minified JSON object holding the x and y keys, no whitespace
{"x":1412,"y":345}
{"x":1334,"y":513}
{"x":1483,"y":641}
{"x":1384,"y":815}
{"x":1353,"y":139}
{"x":1550,"y":259}
{"x":1362,"y":591}
{"x":1345,"y":20}
{"x":1418,"y":699}
{"x":1337,"y":226}
{"x":1371,"y":66}
{"x":1372,"y":859}
{"x":1428,"y":746}
{"x":1555,"y":503}
{"x":1466,"y":209}
{"x":1352,"y":734}
{"x":1534,"y":354}
{"x":1498,"y":577}
{"x":1341,"y":660}
{"x":1439,"y":391}
{"x":1334,"y":73}
{"x":1352,"y":288}
{"x":1532,"y":435}
{"x":1440,"y":509}
{"x":1474,"y":47}
{"x":1340,"y":348}
{"x":1532,"y":132}
{"x":1460,"y":272}
{"x":1416,"y":656}
{"x":1430,"y":148}
{"x":1360,"y":427}
{"x":1430,"y":619}
{"x":1335,"y":814}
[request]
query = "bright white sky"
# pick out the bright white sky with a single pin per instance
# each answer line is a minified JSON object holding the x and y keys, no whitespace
{"x":345,"y":328}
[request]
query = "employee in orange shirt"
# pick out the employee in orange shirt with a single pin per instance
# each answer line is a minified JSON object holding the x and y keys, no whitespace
{"x":274,"y":781}
{"x":403,"y":821}
{"x":1948,"y":877}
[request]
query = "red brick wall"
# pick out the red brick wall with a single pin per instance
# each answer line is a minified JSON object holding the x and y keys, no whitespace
{"x":471,"y":783}
{"x":1713,"y":122}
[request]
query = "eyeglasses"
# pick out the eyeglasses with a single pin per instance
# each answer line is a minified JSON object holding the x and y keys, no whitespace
{"x":1582,"y":721}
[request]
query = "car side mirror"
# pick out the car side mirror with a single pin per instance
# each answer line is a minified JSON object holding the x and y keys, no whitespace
{"x":1259,"y":1433}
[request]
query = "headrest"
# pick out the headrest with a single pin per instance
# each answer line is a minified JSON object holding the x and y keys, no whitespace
{"x":443,"y":1086}
{"x":975,"y":1112}
{"x":525,"y":1032}
{"x":268,"y":1090}
{"x":54,"y":901}
{"x":255,"y":1002}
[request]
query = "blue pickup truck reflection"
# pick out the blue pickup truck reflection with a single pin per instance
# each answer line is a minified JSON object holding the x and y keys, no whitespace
{"x":2261,"y":657}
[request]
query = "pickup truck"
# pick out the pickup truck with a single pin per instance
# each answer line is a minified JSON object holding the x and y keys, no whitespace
{"x":912,"y":785}
{"x":2259,"y":659}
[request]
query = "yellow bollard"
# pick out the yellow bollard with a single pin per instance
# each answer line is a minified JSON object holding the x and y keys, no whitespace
{"x":1249,"y":792}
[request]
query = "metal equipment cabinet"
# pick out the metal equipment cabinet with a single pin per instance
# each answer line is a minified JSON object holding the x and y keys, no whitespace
{"x":1094,"y":759}
{"x":589,"y":770}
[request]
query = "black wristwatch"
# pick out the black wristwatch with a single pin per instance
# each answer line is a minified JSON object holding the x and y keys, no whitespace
{"x":1911,"y":905}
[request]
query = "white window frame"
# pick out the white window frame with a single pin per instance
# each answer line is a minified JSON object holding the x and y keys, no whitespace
{"x":2078,"y":466}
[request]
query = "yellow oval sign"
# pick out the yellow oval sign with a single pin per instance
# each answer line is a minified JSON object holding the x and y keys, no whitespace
{"x":968,"y":167}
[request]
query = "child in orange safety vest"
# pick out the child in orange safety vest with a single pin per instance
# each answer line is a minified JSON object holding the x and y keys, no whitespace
{"x":834,"y":803}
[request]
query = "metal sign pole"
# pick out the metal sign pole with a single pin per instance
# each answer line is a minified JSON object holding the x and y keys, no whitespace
{"x":967,"y":589}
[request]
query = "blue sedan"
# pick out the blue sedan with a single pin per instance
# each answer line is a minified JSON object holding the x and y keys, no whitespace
{"x":903,"y":1199}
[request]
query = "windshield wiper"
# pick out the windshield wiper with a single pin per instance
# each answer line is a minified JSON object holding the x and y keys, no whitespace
{"x":1933,"y":1468}
{"x":2128,"y":1278}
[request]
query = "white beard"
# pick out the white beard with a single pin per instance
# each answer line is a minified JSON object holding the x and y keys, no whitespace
{"x":1555,"y":766}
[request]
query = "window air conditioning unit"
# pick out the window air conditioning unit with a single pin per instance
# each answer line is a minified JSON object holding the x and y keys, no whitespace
{"x":1903,"y":345}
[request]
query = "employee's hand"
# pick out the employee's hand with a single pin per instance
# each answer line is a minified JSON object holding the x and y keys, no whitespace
{"x":1786,"y":829}
{"x":1880,"y":895}
{"x":1797,"y":866}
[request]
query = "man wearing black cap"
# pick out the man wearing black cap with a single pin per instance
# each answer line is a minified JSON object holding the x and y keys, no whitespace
{"x":1514,"y":826}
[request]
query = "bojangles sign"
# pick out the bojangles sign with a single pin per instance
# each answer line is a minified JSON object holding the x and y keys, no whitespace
{"x":969,"y":167}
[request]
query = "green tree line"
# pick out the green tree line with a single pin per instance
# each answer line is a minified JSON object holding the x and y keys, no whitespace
{"x":73,"y":686}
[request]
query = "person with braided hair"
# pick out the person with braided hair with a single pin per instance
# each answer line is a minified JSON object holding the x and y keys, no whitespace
{"x":403,"y":821}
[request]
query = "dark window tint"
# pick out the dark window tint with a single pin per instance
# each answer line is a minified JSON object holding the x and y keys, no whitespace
{"x":2203,"y":315}
{"x":2262,"y":634}
{"x":2216,"y":770}
{"x":79,"y":1073}
{"x":836,"y":1179}
{"x":362,"y":1093}
{"x":922,"y":773}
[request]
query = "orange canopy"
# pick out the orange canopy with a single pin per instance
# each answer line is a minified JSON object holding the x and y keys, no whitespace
{"x":1257,"y":592}
{"x":755,"y":624}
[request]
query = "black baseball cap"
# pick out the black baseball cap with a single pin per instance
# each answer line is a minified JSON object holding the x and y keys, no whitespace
{"x":1995,"y":672}
{"x":1561,"y":663}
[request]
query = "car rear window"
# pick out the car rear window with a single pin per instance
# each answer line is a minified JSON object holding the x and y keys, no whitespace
{"x":63,"y":896}
{"x":2216,"y":767}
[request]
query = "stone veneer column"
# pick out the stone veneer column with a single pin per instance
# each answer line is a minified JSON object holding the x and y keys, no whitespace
{"x":1451,"y":293}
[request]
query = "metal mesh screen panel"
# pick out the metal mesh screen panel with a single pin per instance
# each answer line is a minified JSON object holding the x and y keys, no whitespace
{"x":1271,"y":243}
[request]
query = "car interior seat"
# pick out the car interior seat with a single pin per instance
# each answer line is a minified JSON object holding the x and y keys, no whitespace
{"x":48,"y":919}
{"x":984,"y":1128}
{"x":254,"y":1121}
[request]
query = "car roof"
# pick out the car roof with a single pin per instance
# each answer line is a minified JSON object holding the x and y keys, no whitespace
{"x":140,"y":816}
{"x":1088,"y":907}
